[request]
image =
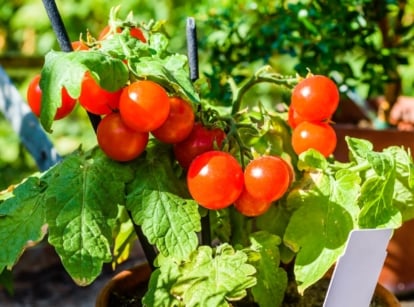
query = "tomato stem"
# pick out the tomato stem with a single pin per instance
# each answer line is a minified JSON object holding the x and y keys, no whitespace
{"x":265,"y":74}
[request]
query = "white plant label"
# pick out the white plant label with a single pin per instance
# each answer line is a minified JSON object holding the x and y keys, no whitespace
{"x":357,"y":270}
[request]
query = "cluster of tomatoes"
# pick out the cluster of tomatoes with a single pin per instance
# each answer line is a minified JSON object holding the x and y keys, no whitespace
{"x":313,"y":102}
{"x":215,"y":178}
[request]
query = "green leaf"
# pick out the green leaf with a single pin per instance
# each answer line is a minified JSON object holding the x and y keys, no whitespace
{"x":213,"y":277}
{"x":326,"y":211}
{"x":82,"y":201}
{"x":159,"y":202}
{"x":171,"y":72}
{"x":404,"y":184}
{"x":66,"y":69}
{"x":22,"y":220}
{"x":377,"y":192}
{"x":271,"y":278}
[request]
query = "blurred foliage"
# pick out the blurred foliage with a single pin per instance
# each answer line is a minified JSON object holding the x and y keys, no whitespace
{"x":366,"y":44}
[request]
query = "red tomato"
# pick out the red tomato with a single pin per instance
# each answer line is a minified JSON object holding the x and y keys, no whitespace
{"x":118,"y":141}
{"x":144,"y":105}
{"x":199,"y":141}
{"x":178,"y":124}
{"x":319,"y":136}
{"x":134,"y":31}
{"x":215,"y":179}
{"x":267,"y":178}
{"x":315,"y":98}
{"x":247,"y":205}
{"x":34,"y":99}
{"x":96,"y":99}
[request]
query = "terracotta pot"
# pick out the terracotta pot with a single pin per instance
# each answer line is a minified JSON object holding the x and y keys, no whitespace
{"x":398,"y":272}
{"x":131,"y":280}
{"x":125,"y":282}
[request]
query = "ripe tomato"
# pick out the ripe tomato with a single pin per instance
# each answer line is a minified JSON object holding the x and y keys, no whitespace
{"x":319,"y":136}
{"x":144,"y":105}
{"x":134,"y":31}
{"x":247,"y":205}
{"x":267,"y":178}
{"x":179,"y":123}
{"x":34,"y":99}
{"x":96,"y":99}
{"x":315,"y":98}
{"x":215,"y":179}
{"x":118,"y":141}
{"x":198,"y":141}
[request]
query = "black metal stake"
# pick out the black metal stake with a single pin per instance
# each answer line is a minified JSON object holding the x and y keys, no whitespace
{"x":64,"y":42}
{"x":192,"y":50}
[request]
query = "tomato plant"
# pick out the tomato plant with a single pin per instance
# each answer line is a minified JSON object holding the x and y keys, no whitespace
{"x":144,"y":105}
{"x":315,"y":98}
{"x":96,"y":99}
{"x":200,"y":139}
{"x":118,"y":141}
{"x":241,"y":194}
{"x":179,"y":123}
{"x":215,"y":179}
{"x":318,"y":136}
{"x":34,"y":99}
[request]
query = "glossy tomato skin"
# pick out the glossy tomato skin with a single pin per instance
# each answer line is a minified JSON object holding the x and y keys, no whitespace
{"x":96,"y":99}
{"x":144,"y":105}
{"x":179,"y":123}
{"x":267,"y":178}
{"x":247,"y":205}
{"x":319,"y":136}
{"x":34,"y":99}
{"x":215,"y":179}
{"x":200,"y":140}
{"x":315,"y":98}
{"x":118,"y":141}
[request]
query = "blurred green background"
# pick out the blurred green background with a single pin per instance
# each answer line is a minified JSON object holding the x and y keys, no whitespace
{"x":367,"y":44}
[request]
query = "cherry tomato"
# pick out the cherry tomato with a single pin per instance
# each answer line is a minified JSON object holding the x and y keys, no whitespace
{"x":267,"y":178}
{"x":215,"y":179}
{"x":315,"y":98}
{"x":178,"y":124}
{"x":118,"y":141}
{"x":134,"y":31}
{"x":247,"y":205}
{"x":200,"y":139}
{"x":144,"y":105}
{"x":79,"y":45}
{"x":34,"y":99}
{"x":96,"y":99}
{"x":319,"y":136}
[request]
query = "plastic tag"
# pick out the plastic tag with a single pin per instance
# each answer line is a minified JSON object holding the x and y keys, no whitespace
{"x":357,"y":270}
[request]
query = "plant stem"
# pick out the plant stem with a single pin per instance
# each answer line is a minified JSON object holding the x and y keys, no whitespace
{"x":263,"y":75}
{"x":148,"y":249}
